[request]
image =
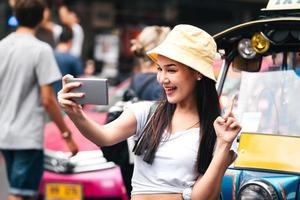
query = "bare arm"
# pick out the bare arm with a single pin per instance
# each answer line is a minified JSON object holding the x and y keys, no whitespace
{"x":50,"y":104}
{"x":102,"y":135}
{"x":109,"y":134}
{"x":208,"y":186}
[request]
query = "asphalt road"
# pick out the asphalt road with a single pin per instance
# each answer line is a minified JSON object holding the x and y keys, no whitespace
{"x":3,"y":180}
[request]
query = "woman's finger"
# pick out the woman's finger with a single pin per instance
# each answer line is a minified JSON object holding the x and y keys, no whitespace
{"x":219,"y":120}
{"x":71,"y":95}
{"x":69,"y":86}
{"x":65,"y":78}
{"x":66,"y":87}
{"x":230,"y":105}
{"x":66,"y":102}
{"x":235,"y":125}
{"x":229,"y":121}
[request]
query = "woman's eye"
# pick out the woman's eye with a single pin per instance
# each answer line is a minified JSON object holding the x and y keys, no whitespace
{"x":159,"y":69}
{"x":171,"y":70}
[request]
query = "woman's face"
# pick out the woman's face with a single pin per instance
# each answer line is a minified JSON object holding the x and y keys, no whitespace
{"x":178,"y":80}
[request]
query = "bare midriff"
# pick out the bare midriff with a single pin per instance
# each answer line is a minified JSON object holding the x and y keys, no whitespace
{"x":167,"y":196}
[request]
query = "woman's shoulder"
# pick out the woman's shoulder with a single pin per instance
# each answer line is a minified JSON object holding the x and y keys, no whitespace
{"x":141,"y":106}
{"x":141,"y":111}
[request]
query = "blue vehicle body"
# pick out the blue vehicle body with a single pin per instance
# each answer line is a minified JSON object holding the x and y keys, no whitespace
{"x":286,"y":185}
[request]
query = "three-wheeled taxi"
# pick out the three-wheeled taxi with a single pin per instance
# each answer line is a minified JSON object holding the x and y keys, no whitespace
{"x":261,"y":69}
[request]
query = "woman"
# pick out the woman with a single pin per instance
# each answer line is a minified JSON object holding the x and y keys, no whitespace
{"x":184,"y":150}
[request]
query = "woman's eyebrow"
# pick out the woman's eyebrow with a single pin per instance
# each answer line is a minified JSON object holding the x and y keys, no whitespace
{"x":170,"y":65}
{"x":167,"y":65}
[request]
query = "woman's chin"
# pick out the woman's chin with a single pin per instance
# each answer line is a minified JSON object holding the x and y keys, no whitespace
{"x":171,"y":100}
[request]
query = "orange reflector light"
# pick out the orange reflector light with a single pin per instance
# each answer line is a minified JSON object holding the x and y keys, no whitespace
{"x":260,"y":43}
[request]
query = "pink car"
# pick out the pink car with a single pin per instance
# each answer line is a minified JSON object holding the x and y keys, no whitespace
{"x":87,"y":175}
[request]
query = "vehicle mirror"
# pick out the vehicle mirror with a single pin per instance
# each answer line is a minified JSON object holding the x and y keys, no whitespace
{"x":249,"y":65}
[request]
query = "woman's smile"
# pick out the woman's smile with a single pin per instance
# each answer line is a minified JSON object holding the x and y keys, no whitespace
{"x":170,"y":90}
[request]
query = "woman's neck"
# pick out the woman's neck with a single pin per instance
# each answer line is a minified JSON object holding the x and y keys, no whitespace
{"x":188,"y":105}
{"x":185,"y":117}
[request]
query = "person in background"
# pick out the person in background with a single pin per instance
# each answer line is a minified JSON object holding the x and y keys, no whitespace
{"x":144,"y":82}
{"x":69,"y":18}
{"x":183,"y":145}
{"x":89,"y":68}
{"x":67,"y":63}
{"x":48,"y":31}
{"x":27,"y":69}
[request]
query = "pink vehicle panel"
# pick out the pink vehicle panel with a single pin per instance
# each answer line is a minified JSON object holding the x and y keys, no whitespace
{"x":104,"y":183}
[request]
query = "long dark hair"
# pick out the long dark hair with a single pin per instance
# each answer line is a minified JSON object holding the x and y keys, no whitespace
{"x":208,"y":110}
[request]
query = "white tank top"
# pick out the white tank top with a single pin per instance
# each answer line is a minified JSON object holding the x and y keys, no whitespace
{"x":174,"y":165}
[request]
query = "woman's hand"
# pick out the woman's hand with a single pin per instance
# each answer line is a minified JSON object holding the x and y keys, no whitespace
{"x":64,"y":96}
{"x":227,"y":127}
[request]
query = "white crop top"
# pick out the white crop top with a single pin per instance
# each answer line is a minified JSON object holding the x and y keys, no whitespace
{"x":174,"y":165}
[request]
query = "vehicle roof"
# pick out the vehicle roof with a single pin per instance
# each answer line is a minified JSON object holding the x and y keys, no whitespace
{"x":229,"y":37}
{"x":282,"y":5}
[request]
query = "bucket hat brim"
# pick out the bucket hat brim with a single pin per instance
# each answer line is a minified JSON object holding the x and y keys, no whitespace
{"x":177,"y":54}
{"x":190,"y":46}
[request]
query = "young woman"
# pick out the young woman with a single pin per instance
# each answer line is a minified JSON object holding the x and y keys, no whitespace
{"x":183,"y":149}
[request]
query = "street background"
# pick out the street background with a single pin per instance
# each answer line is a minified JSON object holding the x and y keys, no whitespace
{"x":109,"y":25}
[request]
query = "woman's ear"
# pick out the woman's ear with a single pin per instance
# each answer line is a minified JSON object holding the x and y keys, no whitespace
{"x":199,"y":76}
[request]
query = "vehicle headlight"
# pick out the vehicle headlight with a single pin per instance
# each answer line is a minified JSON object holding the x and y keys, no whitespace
{"x":245,"y":49}
{"x":257,"y":190}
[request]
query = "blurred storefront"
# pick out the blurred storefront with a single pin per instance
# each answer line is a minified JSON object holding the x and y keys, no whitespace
{"x":109,"y":25}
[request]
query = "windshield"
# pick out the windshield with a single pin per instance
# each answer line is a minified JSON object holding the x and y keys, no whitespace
{"x":268,"y":100}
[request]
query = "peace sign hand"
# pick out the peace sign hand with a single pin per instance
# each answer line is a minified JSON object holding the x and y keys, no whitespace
{"x":227,"y":127}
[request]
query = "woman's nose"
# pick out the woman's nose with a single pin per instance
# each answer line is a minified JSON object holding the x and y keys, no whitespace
{"x":162,"y":78}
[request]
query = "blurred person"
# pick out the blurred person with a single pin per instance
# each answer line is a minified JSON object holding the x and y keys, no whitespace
{"x":183,"y":145}
{"x":12,"y":3}
{"x":27,"y":69}
{"x":48,"y":31}
{"x":93,"y":68}
{"x":144,"y":82}
{"x":89,"y":69}
{"x":69,"y":18}
{"x":67,"y":63}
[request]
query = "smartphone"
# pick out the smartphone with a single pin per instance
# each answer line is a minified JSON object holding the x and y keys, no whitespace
{"x":95,"y":89}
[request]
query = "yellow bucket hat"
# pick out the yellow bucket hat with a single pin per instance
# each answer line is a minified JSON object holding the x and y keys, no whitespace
{"x":190,"y":46}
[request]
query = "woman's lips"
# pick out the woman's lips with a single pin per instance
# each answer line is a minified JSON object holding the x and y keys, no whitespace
{"x":169,"y":90}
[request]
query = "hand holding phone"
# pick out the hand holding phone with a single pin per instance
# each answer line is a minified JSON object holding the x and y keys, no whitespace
{"x":95,"y":90}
